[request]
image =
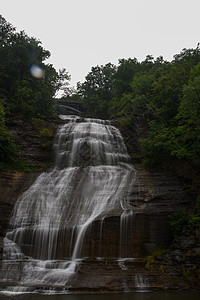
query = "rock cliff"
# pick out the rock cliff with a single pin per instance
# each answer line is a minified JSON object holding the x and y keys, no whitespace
{"x":35,"y":151}
{"x":12,"y":185}
{"x":156,"y":195}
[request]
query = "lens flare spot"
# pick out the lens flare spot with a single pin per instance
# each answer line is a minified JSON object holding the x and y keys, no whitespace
{"x":36,"y":71}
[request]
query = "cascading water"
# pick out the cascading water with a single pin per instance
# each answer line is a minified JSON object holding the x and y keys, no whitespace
{"x":91,"y":180}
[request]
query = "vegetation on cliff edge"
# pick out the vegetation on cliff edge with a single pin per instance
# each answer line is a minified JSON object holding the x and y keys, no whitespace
{"x":28,"y":84}
{"x":166,"y":94}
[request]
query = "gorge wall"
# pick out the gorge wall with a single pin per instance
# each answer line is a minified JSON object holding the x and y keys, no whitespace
{"x":156,"y":195}
{"x":12,"y":185}
{"x":34,"y":154}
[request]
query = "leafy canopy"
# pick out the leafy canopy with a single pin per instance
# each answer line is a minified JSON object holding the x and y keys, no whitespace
{"x":166,"y":94}
{"x":28,"y":85}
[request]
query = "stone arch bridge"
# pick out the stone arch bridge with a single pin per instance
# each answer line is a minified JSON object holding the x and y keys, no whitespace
{"x":66,"y":107}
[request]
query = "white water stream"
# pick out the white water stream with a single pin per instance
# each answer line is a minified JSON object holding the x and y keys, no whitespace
{"x":91,"y":180}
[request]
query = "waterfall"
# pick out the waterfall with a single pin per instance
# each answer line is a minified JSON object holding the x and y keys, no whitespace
{"x":141,"y":283}
{"x":91,"y":180}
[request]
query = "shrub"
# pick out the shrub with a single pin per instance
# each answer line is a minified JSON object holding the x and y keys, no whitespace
{"x":177,"y":222}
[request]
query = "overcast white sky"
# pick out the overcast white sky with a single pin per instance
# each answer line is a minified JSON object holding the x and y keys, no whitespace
{"x":81,"y":34}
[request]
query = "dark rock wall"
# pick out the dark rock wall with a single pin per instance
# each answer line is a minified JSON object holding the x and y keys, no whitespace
{"x":12,"y":185}
{"x":161,"y":191}
{"x":35,"y":146}
{"x":155,"y":196}
{"x":35,"y":151}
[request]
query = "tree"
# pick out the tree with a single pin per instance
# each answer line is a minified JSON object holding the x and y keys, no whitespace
{"x":27,"y":93}
{"x":96,"y":91}
{"x":6,"y":32}
{"x":188,"y":117}
{"x":125,"y":72}
{"x":8,"y":149}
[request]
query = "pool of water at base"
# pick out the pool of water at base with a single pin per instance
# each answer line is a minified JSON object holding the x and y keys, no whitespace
{"x":169,"y":295}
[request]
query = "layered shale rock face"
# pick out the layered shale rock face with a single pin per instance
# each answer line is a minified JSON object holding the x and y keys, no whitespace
{"x":35,"y":151}
{"x":155,"y":197}
{"x":94,"y":203}
{"x":12,"y":185}
{"x":160,"y":192}
{"x":35,"y":141}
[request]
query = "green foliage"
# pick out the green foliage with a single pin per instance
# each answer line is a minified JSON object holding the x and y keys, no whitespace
{"x":123,"y":77}
{"x":194,"y":219}
{"x":188,"y":119}
{"x":25,"y":93}
{"x":186,"y":274}
{"x":177,"y":222}
{"x":8,"y":149}
{"x":197,"y":206}
{"x":194,"y":223}
{"x":175,"y":105}
{"x":48,"y":132}
{"x":152,"y":257}
{"x":44,"y":131}
{"x":165,"y":94}
{"x":158,"y":251}
{"x":191,"y":222}
{"x":96,"y":91}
